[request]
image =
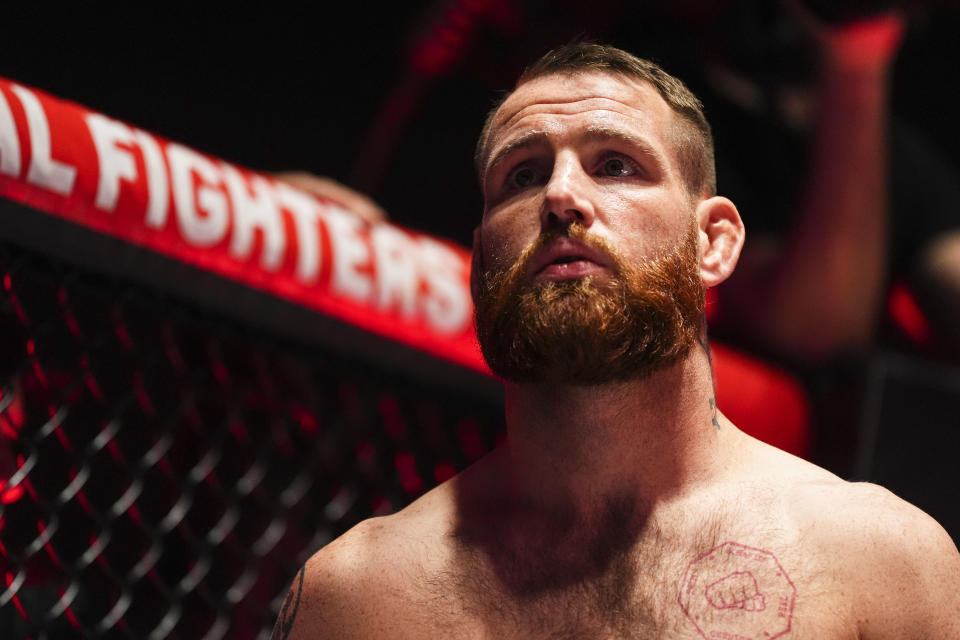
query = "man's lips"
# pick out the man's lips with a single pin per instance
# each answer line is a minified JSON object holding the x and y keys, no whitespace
{"x":567,"y":258}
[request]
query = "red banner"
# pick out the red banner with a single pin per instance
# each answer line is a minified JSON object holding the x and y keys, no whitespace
{"x":76,"y":164}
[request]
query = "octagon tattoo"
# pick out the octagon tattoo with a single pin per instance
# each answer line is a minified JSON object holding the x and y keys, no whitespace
{"x":736,"y":592}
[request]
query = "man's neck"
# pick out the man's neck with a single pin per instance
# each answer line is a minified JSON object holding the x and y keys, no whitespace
{"x":574,"y":449}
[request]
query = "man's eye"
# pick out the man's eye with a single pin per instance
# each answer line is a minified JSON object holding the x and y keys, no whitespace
{"x":522,"y":178}
{"x":617,"y":167}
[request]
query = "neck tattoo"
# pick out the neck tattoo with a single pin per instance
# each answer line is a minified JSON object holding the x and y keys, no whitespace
{"x":713,"y":399}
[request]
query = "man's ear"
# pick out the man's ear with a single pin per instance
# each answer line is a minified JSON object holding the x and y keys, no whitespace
{"x":721,"y":236}
{"x":476,"y":265}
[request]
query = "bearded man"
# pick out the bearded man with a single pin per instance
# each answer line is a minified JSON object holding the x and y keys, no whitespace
{"x":623,"y":504}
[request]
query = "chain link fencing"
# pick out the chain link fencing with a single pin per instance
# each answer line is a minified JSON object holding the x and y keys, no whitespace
{"x":165,"y":470}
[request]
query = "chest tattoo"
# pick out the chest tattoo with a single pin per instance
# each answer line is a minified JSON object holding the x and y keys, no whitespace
{"x":736,"y":592}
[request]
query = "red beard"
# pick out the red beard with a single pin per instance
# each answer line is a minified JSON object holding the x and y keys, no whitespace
{"x":589,"y":332}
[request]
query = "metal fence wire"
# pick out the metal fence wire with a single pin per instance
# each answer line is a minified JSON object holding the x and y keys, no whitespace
{"x":165,"y":471}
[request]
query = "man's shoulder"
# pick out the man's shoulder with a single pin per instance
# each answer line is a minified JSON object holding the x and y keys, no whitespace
{"x":331,"y":593}
{"x":842,"y":513}
{"x":818,"y":497}
{"x":859,"y":511}
{"x":898,"y":565}
{"x":369,"y":581}
{"x":854,"y":521}
{"x":884,"y":526}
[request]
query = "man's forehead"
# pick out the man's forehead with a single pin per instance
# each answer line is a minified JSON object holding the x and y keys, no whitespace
{"x":594,"y":94}
{"x":572,"y":93}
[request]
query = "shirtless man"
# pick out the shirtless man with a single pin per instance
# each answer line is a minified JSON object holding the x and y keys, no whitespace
{"x":623,"y":504}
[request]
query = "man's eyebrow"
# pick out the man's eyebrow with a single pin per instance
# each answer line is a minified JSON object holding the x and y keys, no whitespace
{"x":602,"y":133}
{"x":594,"y":133}
{"x":524,"y":141}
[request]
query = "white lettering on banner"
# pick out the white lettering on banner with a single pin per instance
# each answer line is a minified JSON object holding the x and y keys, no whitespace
{"x":349,"y":251}
{"x":208,"y":226}
{"x":304,"y":211}
{"x":115,"y":162}
{"x":447,"y":305}
{"x":254,"y":208}
{"x":215,"y":202}
{"x":44,"y":171}
{"x":395,"y":255}
{"x":156,"y":179}
{"x":9,"y":142}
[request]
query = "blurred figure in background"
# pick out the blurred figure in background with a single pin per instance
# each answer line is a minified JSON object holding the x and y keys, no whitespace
{"x":874,"y":203}
{"x":361,"y":205}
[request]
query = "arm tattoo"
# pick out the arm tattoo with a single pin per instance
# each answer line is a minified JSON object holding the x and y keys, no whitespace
{"x":288,"y":612}
{"x":702,"y":339}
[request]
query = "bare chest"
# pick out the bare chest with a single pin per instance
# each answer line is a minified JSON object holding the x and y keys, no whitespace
{"x":729,"y":590}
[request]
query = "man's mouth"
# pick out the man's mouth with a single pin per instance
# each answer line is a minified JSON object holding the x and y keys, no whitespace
{"x":567,"y":259}
{"x":569,"y":270}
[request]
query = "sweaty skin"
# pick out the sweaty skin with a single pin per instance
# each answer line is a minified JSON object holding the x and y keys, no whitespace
{"x":627,"y":510}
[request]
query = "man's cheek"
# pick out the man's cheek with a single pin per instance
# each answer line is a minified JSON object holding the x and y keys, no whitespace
{"x":498,"y":253}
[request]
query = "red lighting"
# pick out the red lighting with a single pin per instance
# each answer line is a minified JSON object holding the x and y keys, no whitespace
{"x":62,"y":437}
{"x":21,"y":314}
{"x":406,"y":466}
{"x":9,"y":578}
{"x":365,"y":453}
{"x":307,"y":421}
{"x":239,"y":431}
{"x":47,"y":547}
{"x":446,"y":40}
{"x":443,"y":471}
{"x":9,"y":494}
{"x":765,"y":402}
{"x":115,"y":452}
{"x":380,"y":506}
{"x":69,"y":613}
{"x":124,"y":337}
{"x":470,"y":441}
{"x":907,"y":315}
{"x":392,"y":420}
{"x":220,"y":372}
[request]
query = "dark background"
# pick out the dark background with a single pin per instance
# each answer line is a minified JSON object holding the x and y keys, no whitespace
{"x":389,"y":97}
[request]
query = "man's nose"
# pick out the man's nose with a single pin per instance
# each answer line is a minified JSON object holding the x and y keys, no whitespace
{"x":566,"y":198}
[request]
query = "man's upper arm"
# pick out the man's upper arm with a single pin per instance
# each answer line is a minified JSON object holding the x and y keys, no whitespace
{"x":914,"y":589}
{"x":315,"y":603}
{"x":334,"y":594}
{"x":937,"y":564}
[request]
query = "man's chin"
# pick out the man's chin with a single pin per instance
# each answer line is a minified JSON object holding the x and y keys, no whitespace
{"x":611,"y":325}
{"x":599,"y":282}
{"x":571,"y":374}
{"x":573,"y":332}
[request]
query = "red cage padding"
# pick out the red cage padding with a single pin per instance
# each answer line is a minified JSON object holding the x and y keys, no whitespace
{"x":62,"y":159}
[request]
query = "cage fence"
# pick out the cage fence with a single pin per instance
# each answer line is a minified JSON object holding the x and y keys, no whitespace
{"x":166,"y":470}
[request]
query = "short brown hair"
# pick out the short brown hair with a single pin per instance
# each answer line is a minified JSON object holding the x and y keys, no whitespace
{"x":692,"y":139}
